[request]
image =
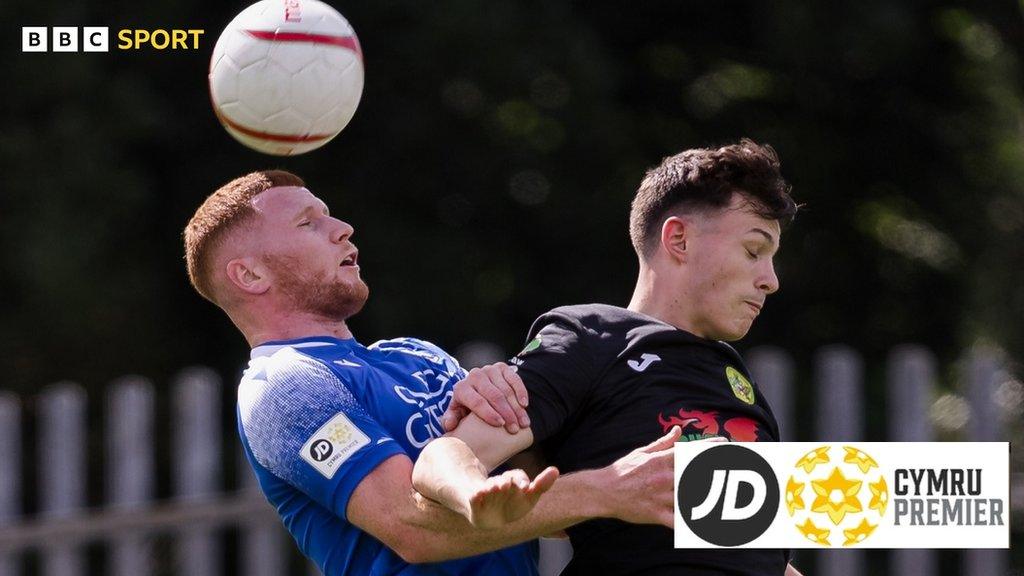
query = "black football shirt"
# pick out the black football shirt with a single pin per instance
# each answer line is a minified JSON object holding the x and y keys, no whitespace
{"x":604,"y":381}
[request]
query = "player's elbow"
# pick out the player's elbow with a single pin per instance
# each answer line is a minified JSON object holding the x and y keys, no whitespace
{"x":412,"y":543}
{"x":404,"y":543}
{"x":412,"y":553}
{"x":417,"y":550}
{"x":433,"y":458}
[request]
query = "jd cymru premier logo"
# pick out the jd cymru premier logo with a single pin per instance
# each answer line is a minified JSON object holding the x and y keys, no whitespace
{"x":330,"y":446}
{"x":836,"y":495}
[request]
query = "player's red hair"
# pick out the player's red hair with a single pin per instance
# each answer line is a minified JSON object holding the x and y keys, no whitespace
{"x":224,"y":210}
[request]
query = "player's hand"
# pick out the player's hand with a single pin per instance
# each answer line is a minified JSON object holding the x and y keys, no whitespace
{"x":508,"y":497}
{"x":495,"y":393}
{"x":641,"y":482}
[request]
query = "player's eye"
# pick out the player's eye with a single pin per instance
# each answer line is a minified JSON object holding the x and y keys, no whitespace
{"x":304,"y":223}
{"x":751,"y":254}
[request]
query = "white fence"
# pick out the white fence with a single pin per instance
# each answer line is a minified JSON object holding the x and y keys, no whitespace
{"x":129,"y":522}
{"x":138,"y":533}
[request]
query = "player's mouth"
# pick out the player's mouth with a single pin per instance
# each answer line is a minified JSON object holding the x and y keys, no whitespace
{"x":351,"y":261}
{"x":755,"y":306}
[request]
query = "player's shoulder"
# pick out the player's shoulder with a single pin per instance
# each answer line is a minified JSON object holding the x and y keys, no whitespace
{"x":286,"y":380}
{"x":410,"y":346}
{"x":597,"y":319}
{"x":587,"y":329}
{"x":416,"y":352}
{"x":283,"y":395}
{"x":285,"y":366}
{"x":732,"y":356}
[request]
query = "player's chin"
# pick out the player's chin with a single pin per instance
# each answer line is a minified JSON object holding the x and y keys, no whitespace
{"x":352,"y":304}
{"x":358,"y":292}
{"x":347,"y":297}
{"x":735,"y":331}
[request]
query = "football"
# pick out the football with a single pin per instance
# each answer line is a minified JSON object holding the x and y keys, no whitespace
{"x":286,"y":76}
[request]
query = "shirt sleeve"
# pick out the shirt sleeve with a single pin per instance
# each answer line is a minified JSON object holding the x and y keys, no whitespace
{"x":559,"y":375}
{"x":306,"y":427}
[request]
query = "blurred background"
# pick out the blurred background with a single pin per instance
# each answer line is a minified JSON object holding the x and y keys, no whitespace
{"x":488,"y":174}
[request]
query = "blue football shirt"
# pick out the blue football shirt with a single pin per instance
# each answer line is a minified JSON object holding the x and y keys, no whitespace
{"x":316,"y":415}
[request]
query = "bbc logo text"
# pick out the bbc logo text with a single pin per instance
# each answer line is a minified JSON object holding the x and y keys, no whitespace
{"x":97,"y":39}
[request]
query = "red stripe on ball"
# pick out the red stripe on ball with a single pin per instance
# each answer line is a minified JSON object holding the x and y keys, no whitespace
{"x":348,"y":42}
{"x":269,"y":135}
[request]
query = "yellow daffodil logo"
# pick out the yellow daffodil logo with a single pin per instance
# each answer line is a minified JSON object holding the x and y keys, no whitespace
{"x":339,"y":433}
{"x":836,"y":498}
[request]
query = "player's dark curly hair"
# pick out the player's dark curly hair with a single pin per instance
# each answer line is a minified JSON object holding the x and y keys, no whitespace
{"x":705,"y":179}
{"x":228,"y":207}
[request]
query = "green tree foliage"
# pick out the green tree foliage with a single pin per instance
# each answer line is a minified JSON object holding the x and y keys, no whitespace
{"x":489,"y":169}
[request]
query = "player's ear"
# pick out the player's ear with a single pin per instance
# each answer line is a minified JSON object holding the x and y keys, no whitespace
{"x":675,"y":231}
{"x":248,"y":275}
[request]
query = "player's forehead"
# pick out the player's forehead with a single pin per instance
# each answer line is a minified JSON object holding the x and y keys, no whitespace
{"x":285,"y":202}
{"x":741,"y":218}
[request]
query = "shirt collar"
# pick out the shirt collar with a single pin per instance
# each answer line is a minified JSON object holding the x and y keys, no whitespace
{"x":271,"y":347}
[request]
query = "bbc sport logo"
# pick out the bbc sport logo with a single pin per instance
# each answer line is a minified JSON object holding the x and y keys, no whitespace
{"x":842,"y":495}
{"x":97,"y":39}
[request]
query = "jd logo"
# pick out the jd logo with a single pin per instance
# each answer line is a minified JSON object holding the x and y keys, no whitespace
{"x":728,"y":495}
{"x":321,"y":450}
{"x":732,"y":480}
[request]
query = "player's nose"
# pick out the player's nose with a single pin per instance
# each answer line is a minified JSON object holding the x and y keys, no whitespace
{"x":342,"y":231}
{"x":769,"y":280}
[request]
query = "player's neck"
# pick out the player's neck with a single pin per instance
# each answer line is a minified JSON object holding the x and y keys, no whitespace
{"x":298,"y":325}
{"x":651,"y":298}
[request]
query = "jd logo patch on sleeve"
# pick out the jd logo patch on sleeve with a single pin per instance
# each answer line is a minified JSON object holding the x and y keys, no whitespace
{"x":333,"y":444}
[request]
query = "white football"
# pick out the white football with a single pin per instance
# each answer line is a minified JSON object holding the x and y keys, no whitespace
{"x":286,"y":76}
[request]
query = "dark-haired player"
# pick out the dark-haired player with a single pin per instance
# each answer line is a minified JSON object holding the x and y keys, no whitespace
{"x":705,"y":224}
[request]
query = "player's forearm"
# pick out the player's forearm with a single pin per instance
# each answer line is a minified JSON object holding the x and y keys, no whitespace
{"x":448,"y":472}
{"x":573,"y":499}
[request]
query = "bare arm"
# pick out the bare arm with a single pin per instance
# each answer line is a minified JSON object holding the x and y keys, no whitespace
{"x":636,"y":488}
{"x":453,"y":471}
{"x":386,"y":506}
{"x":456,"y":478}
